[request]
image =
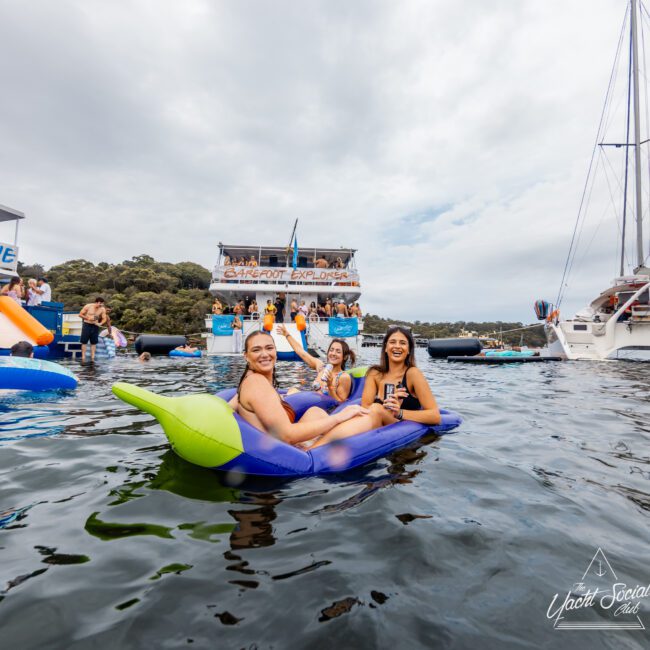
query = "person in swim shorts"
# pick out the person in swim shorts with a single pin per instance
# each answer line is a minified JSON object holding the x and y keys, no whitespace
{"x":93,"y":316}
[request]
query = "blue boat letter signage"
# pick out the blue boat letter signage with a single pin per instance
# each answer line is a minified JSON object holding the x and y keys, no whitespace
{"x":8,"y":256}
{"x":221,"y":325}
{"x":343,"y":327}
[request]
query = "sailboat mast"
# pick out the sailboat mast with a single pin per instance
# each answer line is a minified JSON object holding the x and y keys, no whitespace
{"x":637,"y":135}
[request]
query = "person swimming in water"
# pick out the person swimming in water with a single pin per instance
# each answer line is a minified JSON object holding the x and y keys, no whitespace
{"x":258,"y":402}
{"x":411,"y":398}
{"x":333,"y":381}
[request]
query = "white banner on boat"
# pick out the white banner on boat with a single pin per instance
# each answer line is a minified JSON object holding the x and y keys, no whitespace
{"x":8,"y":256}
{"x":283,"y":274}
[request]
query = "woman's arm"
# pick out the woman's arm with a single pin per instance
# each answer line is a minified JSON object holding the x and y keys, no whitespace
{"x":429,"y":413}
{"x":260,"y":398}
{"x":342,"y":390}
{"x":312,"y":362}
{"x":370,"y":388}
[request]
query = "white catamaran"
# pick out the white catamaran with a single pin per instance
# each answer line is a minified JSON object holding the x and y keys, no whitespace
{"x":619,"y":318}
{"x":316,"y":278}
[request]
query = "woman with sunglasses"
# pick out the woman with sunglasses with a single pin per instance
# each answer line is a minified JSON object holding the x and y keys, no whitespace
{"x":395,"y":389}
{"x":258,"y":402}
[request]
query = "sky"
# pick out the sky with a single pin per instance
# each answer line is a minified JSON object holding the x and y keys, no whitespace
{"x":447,"y":141}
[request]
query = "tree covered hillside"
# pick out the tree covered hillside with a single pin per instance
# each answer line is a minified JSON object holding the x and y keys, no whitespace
{"x":145,"y":295}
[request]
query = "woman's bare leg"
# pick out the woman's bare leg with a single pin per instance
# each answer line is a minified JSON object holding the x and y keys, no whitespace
{"x":359,"y":424}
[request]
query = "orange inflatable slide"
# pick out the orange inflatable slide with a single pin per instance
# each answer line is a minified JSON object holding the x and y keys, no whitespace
{"x":16,"y":324}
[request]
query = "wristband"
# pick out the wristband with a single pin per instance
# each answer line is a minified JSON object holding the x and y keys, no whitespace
{"x":400,"y":415}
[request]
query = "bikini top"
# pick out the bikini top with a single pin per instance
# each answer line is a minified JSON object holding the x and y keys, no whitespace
{"x":410,"y":402}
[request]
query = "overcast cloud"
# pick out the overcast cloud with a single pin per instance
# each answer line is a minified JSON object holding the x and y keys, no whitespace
{"x":447,"y":141}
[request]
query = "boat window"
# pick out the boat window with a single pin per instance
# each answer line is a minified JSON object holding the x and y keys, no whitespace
{"x":579,"y":328}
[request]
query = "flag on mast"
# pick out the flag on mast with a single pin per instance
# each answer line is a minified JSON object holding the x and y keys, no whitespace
{"x":295,"y":252}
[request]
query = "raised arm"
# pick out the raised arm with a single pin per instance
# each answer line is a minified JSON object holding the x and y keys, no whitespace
{"x":312,"y":362}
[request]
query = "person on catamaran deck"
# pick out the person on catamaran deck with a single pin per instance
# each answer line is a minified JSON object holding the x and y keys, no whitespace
{"x":395,"y":387}
{"x":258,"y":402}
{"x":332,"y":381}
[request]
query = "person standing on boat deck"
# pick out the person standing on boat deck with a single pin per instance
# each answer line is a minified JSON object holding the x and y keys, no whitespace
{"x":328,"y":308}
{"x":252,"y":308}
{"x":341,"y":310}
{"x":252,"y":261}
{"x":93,"y":316}
{"x":226,"y":260}
{"x":217,"y":307}
{"x":33,"y":294}
{"x":333,"y":381}
{"x":238,"y":309}
{"x":45,"y":290}
{"x":258,"y":402}
{"x":294,"y":309}
{"x":270,"y":308}
{"x":15,"y":289}
{"x":320,"y":263}
{"x":236,"y":334}
{"x":279,"y":308}
{"x":303,"y":309}
{"x":411,"y":398}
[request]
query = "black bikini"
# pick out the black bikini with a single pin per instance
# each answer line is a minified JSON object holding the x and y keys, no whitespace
{"x":410,"y":402}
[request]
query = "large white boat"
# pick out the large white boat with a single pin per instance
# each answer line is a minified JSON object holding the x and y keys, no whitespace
{"x":618,"y":318}
{"x":311,"y":276}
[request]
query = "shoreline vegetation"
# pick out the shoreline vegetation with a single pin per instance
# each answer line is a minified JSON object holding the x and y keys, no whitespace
{"x":147,"y":296}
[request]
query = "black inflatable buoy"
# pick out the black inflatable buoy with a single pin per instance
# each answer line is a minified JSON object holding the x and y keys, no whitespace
{"x":158,"y":343}
{"x":443,"y":348}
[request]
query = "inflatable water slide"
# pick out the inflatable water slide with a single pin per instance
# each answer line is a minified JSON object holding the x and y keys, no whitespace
{"x":16,"y":324}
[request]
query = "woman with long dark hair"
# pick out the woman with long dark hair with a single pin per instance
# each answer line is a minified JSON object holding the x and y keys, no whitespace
{"x":259,"y":403}
{"x":395,"y":388}
{"x":14,"y":289}
{"x":333,"y":381}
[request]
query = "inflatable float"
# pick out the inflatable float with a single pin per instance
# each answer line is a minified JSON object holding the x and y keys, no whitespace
{"x":499,"y":359}
{"x":19,"y":373}
{"x":442,"y":348}
{"x":17,"y":324}
{"x":182,"y":353}
{"x":205,"y":431}
{"x":158,"y":343}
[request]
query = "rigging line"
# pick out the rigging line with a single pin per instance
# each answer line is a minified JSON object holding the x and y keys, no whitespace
{"x":573,"y":264}
{"x":591,"y":162}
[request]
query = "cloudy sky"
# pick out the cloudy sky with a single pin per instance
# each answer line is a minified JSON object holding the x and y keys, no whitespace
{"x":447,"y":141}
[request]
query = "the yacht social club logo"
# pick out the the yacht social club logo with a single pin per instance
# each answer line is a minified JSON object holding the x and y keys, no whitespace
{"x":599,"y":601}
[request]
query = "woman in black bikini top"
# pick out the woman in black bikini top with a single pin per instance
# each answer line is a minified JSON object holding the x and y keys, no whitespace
{"x":416,"y":403}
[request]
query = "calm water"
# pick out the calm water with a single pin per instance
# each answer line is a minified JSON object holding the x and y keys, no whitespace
{"x":109,"y":540}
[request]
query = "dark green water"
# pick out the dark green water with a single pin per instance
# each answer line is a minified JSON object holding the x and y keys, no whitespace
{"x":109,"y":540}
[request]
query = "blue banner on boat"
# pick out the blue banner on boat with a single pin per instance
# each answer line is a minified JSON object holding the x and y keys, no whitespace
{"x":343,"y":327}
{"x":221,"y":324}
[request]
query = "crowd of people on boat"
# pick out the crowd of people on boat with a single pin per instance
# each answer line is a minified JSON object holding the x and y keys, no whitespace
{"x":33,"y":294}
{"x":314,"y":311}
{"x":318,"y":262}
